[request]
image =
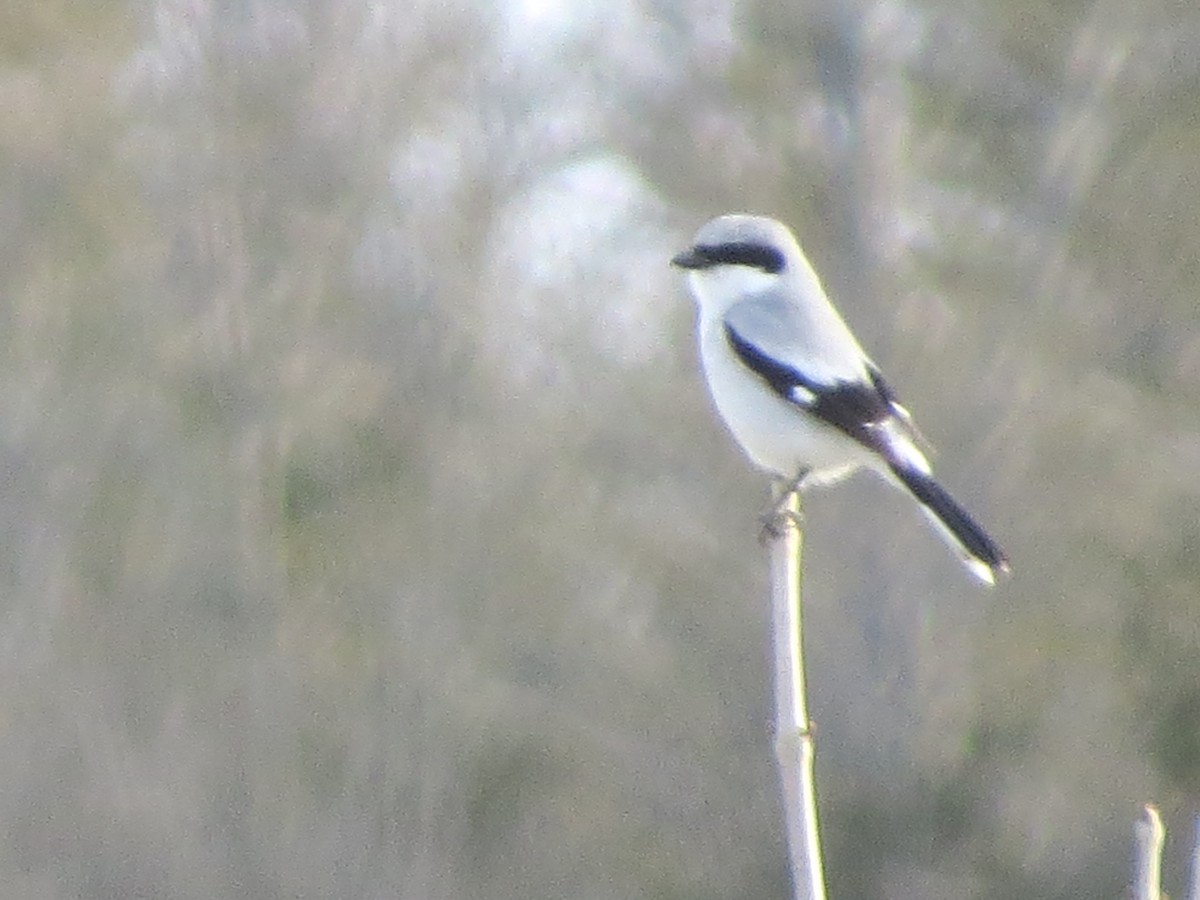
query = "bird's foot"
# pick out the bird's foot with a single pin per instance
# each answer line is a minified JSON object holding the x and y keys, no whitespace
{"x":778,"y":516}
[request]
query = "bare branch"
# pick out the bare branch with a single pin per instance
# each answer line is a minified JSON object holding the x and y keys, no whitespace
{"x":794,"y":748}
{"x":1149,"y":834}
{"x":1194,"y":888}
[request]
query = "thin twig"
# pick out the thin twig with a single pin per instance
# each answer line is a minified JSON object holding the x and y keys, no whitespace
{"x":1149,"y":834}
{"x":794,"y":749}
{"x":1194,"y":893}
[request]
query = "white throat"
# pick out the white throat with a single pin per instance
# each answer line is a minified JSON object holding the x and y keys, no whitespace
{"x":718,"y":288}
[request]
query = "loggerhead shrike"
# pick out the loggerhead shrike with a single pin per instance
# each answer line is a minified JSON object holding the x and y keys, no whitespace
{"x":793,"y":385}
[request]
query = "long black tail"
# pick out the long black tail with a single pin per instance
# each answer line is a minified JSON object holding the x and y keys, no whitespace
{"x":980,"y":553}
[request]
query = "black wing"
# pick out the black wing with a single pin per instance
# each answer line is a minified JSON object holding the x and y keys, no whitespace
{"x":857,"y":409}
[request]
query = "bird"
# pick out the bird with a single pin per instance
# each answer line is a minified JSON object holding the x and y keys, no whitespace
{"x":793,"y":385}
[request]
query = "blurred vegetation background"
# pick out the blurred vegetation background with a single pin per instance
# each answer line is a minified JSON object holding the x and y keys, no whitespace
{"x":366,"y":528}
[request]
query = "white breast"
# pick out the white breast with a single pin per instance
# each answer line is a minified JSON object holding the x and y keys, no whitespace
{"x":776,"y":435}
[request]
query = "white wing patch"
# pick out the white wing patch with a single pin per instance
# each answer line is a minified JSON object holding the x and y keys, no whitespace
{"x":802,"y":395}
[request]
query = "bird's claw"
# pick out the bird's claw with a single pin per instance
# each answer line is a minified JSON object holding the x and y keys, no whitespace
{"x":775,"y":523}
{"x":778,"y":518}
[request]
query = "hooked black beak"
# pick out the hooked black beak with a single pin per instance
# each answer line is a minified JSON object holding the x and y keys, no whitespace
{"x":690,"y":258}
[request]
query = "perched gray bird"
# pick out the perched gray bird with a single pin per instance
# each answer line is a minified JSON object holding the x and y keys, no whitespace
{"x":793,"y":385}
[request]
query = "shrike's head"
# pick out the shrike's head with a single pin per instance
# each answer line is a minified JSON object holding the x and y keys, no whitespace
{"x":737,"y":255}
{"x":794,"y":386}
